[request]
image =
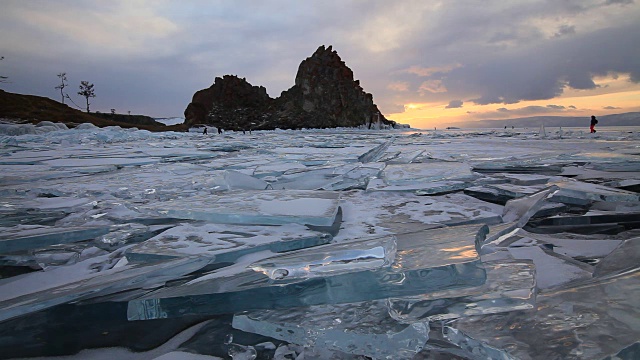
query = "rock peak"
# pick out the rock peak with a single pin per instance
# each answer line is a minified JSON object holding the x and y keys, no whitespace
{"x":324,"y":95}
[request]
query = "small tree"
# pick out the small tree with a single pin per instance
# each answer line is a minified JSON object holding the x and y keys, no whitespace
{"x":63,"y":84}
{"x":87,"y":91}
{"x":3,"y":79}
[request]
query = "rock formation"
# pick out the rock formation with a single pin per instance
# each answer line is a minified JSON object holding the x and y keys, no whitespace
{"x":324,"y":95}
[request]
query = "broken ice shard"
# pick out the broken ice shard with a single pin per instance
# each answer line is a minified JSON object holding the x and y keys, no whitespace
{"x":425,"y":172}
{"x":480,"y":349}
{"x":269,"y":207}
{"x":223,"y":243}
{"x":581,"y":193}
{"x":510,"y":286}
{"x":331,"y":259}
{"x":425,"y":261}
{"x":36,"y":291}
{"x":362,"y":329}
{"x":26,"y":237}
{"x":375,"y":153}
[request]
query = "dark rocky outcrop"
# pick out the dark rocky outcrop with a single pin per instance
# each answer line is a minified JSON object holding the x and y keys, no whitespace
{"x":325,"y":95}
{"x":22,"y":109}
{"x":230,"y":103}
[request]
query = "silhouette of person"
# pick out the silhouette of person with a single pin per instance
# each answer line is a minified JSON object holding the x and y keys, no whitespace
{"x":594,"y":121}
{"x":205,"y":131}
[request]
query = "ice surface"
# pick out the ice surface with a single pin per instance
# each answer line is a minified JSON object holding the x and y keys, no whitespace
{"x":425,"y":261}
{"x":425,"y":172}
{"x":84,"y":281}
{"x":375,"y":153}
{"x":359,"y":185}
{"x":224,"y":243}
{"x":321,"y":261}
{"x":273,"y":207}
{"x":24,"y":237}
{"x":569,"y":322}
{"x":510,"y":286}
{"x":362,"y":329}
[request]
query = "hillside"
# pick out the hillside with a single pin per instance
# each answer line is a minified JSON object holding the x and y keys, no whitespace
{"x":624,"y":119}
{"x":33,"y":109}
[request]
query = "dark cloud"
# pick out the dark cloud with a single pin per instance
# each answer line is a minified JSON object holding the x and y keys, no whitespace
{"x":454,"y":104}
{"x":492,"y":52}
{"x":504,"y":113}
{"x":565,"y":30}
{"x":620,"y":2}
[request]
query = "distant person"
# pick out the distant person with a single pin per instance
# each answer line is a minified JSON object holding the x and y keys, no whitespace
{"x":594,"y":121}
{"x":205,"y":131}
{"x":219,"y":131}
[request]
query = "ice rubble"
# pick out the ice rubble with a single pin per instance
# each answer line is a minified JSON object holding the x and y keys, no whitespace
{"x":326,"y":244}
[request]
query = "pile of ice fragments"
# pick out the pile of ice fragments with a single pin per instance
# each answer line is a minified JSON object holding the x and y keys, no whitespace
{"x":321,"y":244}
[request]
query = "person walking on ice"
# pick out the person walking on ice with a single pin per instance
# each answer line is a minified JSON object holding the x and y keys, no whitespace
{"x":594,"y":121}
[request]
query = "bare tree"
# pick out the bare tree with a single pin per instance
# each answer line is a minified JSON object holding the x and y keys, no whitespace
{"x":63,"y":84}
{"x":3,"y":79}
{"x":87,"y":91}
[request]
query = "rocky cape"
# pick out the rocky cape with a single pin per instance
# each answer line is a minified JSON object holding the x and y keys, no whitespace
{"x":24,"y":109}
{"x":325,"y":95}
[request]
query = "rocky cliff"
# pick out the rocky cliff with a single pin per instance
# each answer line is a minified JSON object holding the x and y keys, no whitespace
{"x":325,"y":95}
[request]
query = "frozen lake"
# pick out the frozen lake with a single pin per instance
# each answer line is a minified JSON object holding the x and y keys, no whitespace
{"x":319,"y":244}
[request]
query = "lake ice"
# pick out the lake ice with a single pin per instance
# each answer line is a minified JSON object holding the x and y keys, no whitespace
{"x":319,"y":244}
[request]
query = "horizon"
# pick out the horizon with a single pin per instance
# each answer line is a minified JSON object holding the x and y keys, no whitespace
{"x":427,"y":64}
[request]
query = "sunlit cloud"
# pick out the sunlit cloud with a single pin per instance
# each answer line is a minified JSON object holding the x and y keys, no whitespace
{"x":428,"y":71}
{"x":399,"y":86}
{"x":432,"y":86}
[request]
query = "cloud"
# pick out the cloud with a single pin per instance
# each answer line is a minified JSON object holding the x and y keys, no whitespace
{"x":523,"y":111}
{"x":610,"y":107}
{"x":565,"y":30}
{"x":154,"y":55}
{"x":432,"y":86}
{"x":454,"y":104}
{"x":399,"y":86}
{"x":429,"y":71}
{"x":620,"y":2}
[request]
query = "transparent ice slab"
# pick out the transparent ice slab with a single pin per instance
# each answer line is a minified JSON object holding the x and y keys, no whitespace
{"x":224,"y":243}
{"x":425,"y":261}
{"x":590,"y":320}
{"x":508,"y":191}
{"x":510,"y":286}
{"x":578,"y":192}
{"x":478,"y":349}
{"x":552,"y":269}
{"x":362,"y":329}
{"x":405,"y":174}
{"x":32,"y":292}
{"x":375,"y":153}
{"x":25,"y":237}
{"x":623,"y":258}
{"x":269,"y":207}
{"x":321,"y":261}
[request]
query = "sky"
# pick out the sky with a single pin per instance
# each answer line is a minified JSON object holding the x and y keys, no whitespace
{"x":427,"y":63}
